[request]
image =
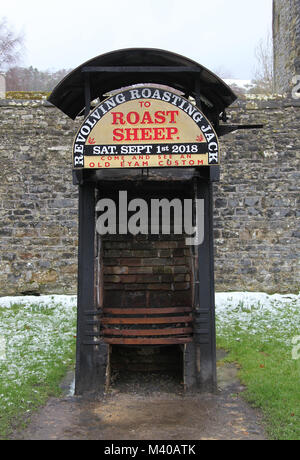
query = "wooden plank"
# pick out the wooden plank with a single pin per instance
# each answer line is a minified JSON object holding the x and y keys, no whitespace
{"x":141,"y":69}
{"x":148,"y":341}
{"x":175,"y":319}
{"x":147,"y":311}
{"x":147,"y":332}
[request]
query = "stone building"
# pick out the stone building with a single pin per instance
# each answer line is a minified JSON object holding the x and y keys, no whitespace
{"x":286,"y":37}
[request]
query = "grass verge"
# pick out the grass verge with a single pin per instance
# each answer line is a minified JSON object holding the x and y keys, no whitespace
{"x":262,"y":336}
{"x":37,"y":348}
{"x":261,"y":332}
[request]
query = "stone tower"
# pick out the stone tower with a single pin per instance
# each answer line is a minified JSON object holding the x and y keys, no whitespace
{"x":286,"y":37}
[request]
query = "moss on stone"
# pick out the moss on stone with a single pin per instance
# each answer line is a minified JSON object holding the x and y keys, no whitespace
{"x":27,"y":95}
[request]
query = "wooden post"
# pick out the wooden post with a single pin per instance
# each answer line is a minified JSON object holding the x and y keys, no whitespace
{"x":91,"y":354}
{"x":204,"y":321}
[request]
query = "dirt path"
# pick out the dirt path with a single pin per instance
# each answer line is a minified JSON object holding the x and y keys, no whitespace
{"x":134,"y":411}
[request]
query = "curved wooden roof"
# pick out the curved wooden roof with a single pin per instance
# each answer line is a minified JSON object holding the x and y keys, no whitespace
{"x":69,"y":94}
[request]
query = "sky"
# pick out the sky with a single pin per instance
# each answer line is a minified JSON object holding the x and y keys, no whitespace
{"x":220,"y":34}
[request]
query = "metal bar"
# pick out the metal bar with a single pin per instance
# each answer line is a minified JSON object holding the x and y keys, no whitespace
{"x":95,"y":343}
{"x":201,"y":331}
{"x":93,"y":322}
{"x":147,"y":332}
{"x":226,"y":129}
{"x":93,"y":312}
{"x":147,"y":311}
{"x":175,"y":319}
{"x":201,"y":321}
{"x":148,"y":341}
{"x":140,"y":69}
{"x":92,"y":334}
{"x":201,"y":311}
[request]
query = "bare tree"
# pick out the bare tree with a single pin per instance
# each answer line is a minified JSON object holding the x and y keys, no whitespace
{"x":32,"y":79}
{"x":11,"y":46}
{"x":223,"y":72}
{"x":264,"y":71}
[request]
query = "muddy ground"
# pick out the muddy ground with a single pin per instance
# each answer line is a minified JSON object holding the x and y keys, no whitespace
{"x":150,"y":407}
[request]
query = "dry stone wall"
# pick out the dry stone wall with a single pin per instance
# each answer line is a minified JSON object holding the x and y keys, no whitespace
{"x":256,"y":203}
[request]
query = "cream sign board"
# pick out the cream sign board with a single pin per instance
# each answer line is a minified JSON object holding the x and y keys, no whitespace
{"x":145,"y":127}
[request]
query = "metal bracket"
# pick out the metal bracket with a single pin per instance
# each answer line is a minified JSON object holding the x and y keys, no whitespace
{"x":222,"y":129}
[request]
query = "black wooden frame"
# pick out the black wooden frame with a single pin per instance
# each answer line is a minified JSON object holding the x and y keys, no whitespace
{"x":92,"y":352}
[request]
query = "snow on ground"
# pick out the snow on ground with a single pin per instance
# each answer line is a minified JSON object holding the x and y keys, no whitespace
{"x":223,"y":299}
{"x":260,"y":299}
{"x":244,"y":85}
{"x":274,"y":316}
{"x":38,"y":334}
{"x":250,"y":311}
{"x":34,"y":337}
{"x":43,"y":300}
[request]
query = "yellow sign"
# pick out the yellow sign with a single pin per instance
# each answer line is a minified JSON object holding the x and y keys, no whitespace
{"x":142,"y":128}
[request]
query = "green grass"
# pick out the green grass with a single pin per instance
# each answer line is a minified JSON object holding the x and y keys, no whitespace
{"x":261,"y":341}
{"x":257,"y":332}
{"x":40,"y":348}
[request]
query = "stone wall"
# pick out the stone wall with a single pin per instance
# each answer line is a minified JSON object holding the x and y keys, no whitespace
{"x":286,"y":37}
{"x":256,"y":203}
{"x":38,"y":203}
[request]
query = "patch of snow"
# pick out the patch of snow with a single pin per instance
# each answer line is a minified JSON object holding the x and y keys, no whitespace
{"x":66,"y":301}
{"x":244,"y":85}
{"x":38,"y":336}
{"x":265,"y":301}
{"x":273,"y":316}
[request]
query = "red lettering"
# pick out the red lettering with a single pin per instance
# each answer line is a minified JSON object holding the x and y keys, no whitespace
{"x":118,"y":135}
{"x":158,"y":134}
{"x":171,"y":133}
{"x":172,"y":115}
{"x":133,"y":118}
{"x":118,"y":118}
{"x":132,"y":134}
{"x":147,"y":119}
{"x":160,"y":116}
{"x":146,"y":134}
